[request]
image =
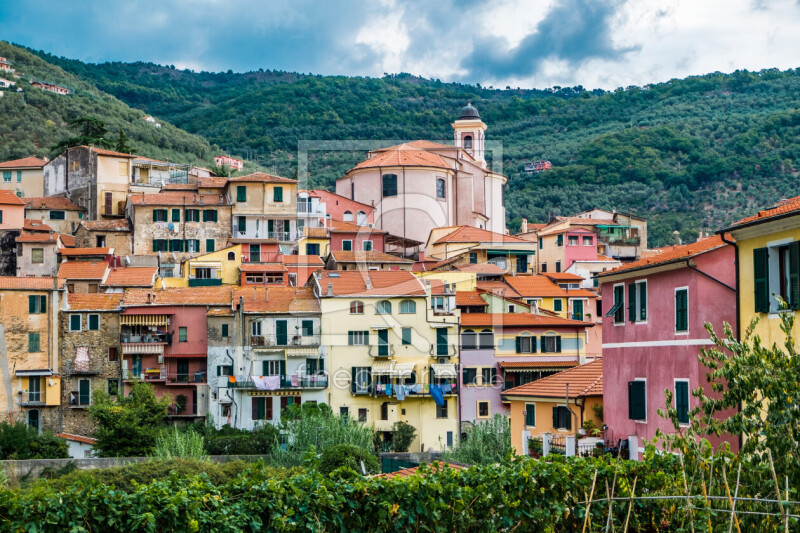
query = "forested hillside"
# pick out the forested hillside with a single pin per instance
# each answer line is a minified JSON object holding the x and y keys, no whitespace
{"x":34,"y":121}
{"x":690,"y":154}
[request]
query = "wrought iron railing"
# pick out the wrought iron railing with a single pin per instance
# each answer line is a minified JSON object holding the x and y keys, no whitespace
{"x":283,"y":382}
{"x":284,"y":340}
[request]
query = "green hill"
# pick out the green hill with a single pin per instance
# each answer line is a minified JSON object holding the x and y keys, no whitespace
{"x":34,"y":120}
{"x":690,"y":154}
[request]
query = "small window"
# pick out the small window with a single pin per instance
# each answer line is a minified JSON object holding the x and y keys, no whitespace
{"x":357,"y":338}
{"x":560,"y":239}
{"x":483,"y":409}
{"x":159,"y":215}
{"x":406,"y":336}
{"x":347,"y":246}
{"x":470,"y":376}
{"x":587,"y":240}
{"x":209,"y":215}
{"x":361,"y":218}
{"x":544,"y":267}
{"x":384,"y":307}
{"x":558,"y":266}
{"x":366,"y":246}
{"x":558,"y":304}
{"x":408,"y":307}
{"x":347,"y":216}
{"x":113,"y":354}
{"x":441,"y":410}
{"x":224,"y":370}
{"x":526,"y":344}
{"x":562,"y":418}
{"x":389,"y":185}
{"x":637,"y":400}
{"x":37,"y":255}
{"x":94,"y":322}
{"x":362,"y":415}
{"x":277,"y":194}
{"x":37,"y":304}
{"x":7,"y":176}
{"x":224,"y":330}
{"x":74,"y":322}
{"x":682,"y":400}
{"x":182,"y":334}
{"x":231,"y":256}
{"x":473,"y":258}
{"x":210,"y":245}
{"x":551,"y":344}
{"x":192,"y":215}
{"x":440,"y":188}
{"x":113,"y":387}
{"x":33,"y":342}
{"x":176,"y":215}
{"x":307,"y":328}
{"x":617,"y":309}
{"x":682,"y":310}
{"x":356,"y":307}
{"x":468,"y":142}
{"x":344,"y":412}
{"x":58,"y":215}
{"x":572,"y":240}
{"x":241,"y":193}
{"x":530,"y":414}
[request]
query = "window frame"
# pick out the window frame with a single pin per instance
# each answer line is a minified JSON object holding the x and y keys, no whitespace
{"x":366,"y":245}
{"x":407,"y":304}
{"x":675,"y":382}
{"x":560,"y":302}
{"x":89,"y":318}
{"x":441,"y":189}
{"x":525,"y":413}
{"x":488,"y":404}
{"x":38,"y":251}
{"x":383,"y":307}
{"x":675,"y":310}
{"x":356,"y":307}
{"x":358,"y":338}
{"x":183,"y":334}
{"x":389,"y":185}
{"x":630,"y":414}
{"x":72,"y":327}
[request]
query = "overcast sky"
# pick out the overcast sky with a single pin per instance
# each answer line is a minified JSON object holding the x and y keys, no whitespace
{"x":534,"y":43}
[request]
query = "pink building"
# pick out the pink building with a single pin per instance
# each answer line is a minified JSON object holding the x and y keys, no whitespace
{"x":344,"y":209}
{"x":224,"y":160}
{"x":349,"y":237}
{"x":653,"y":330}
{"x":12,"y":211}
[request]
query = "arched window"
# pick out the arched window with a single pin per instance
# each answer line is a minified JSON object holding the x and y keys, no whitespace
{"x":231,"y":256}
{"x":440,"y":189}
{"x":361,"y":218}
{"x":384,"y":307}
{"x":468,"y":340}
{"x":468,"y":142}
{"x":348,"y":216}
{"x":408,"y":307}
{"x":486,"y":339}
{"x":356,"y":307}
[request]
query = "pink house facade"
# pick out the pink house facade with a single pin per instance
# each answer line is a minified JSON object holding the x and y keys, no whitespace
{"x":349,"y":237}
{"x":653,"y":330}
{"x":228,"y":161}
{"x":579,"y":245}
{"x":12,"y":211}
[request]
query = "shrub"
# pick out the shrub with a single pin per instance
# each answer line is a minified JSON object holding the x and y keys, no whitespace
{"x":402,"y":436}
{"x":231,"y":441}
{"x":23,"y":442}
{"x":486,"y":443}
{"x":172,"y":443}
{"x":349,"y":456}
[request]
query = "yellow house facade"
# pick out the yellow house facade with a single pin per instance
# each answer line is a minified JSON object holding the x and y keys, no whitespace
{"x":209,"y":270}
{"x":392,"y":350}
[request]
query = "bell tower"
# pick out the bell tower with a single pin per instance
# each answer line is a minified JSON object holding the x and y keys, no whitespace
{"x":470,"y":133}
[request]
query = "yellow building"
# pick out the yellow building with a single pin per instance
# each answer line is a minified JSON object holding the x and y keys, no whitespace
{"x":391,"y":344}
{"x":209,"y":270}
{"x":477,"y":246}
{"x":24,"y":176}
{"x":29,"y":348}
{"x":314,"y":241}
{"x":541,"y":406}
{"x":768,"y":259}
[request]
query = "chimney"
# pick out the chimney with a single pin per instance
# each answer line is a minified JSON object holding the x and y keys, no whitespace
{"x":524,"y":226}
{"x":148,"y":297}
{"x":241,"y":302}
{"x":677,"y":237}
{"x":368,"y":283}
{"x":201,"y":199}
{"x":421,"y":256}
{"x":330,"y":289}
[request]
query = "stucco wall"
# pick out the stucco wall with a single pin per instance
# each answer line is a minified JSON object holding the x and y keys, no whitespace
{"x":32,"y":183}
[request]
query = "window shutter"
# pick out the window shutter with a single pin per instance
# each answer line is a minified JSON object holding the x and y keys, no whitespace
{"x":176,"y":215}
{"x":209,"y":245}
{"x":366,"y":338}
{"x":464,"y":376}
{"x":242,"y":224}
{"x":558,"y":344}
{"x":155,"y":215}
{"x":219,"y":370}
{"x":254,"y":408}
{"x":519,"y":344}
{"x":794,"y":276}
{"x":321,"y":365}
{"x":682,"y":401}
{"x":353,"y":378}
{"x":760,"y":280}
{"x":555,"y":417}
{"x":94,"y":321}
{"x":268,"y":401}
{"x":636,"y":400}
{"x":632,"y":302}
{"x":643,"y":301}
{"x":278,"y":194}
{"x":630,"y":400}
{"x":567,"y":417}
{"x":241,"y":193}
{"x":533,"y":344}
{"x":42,"y":304}
{"x":31,"y":304}
{"x":264,"y":368}
{"x":681,"y":311}
{"x":349,"y":338}
{"x":283,"y":368}
{"x":155,"y":245}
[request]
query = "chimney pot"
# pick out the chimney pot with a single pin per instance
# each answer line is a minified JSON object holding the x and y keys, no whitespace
{"x":524,"y":225}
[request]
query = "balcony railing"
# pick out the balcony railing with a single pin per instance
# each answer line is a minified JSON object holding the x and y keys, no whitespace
{"x":284,"y":236}
{"x":262,"y":257}
{"x":284,"y":382}
{"x":149,"y":338}
{"x":381,"y":350}
{"x":443,"y":350}
{"x":147,"y":374}
{"x":32,"y":399}
{"x":205,"y":282}
{"x":75,"y":368}
{"x":182,"y":378}
{"x":258,"y":341}
{"x":417,"y":389}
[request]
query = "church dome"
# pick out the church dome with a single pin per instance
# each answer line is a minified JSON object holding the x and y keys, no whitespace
{"x":468,"y":112}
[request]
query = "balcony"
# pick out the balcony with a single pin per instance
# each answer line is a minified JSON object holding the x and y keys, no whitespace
{"x":262,"y":257}
{"x":32,"y":399}
{"x":185,"y":378}
{"x":269,"y":341}
{"x":306,"y":209}
{"x":78,"y":400}
{"x":419,"y":390}
{"x":204,"y":282}
{"x":280,"y":236}
{"x":285,"y":382}
{"x":381,"y":350}
{"x":148,"y":338}
{"x":443,"y":350}
{"x":85,"y":368}
{"x":147,"y":374}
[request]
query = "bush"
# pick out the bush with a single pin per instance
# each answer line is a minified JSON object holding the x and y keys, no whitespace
{"x":402,"y":436}
{"x":486,"y":443}
{"x":172,"y":443}
{"x":260,"y":441}
{"x":349,"y":456}
{"x":23,"y":442}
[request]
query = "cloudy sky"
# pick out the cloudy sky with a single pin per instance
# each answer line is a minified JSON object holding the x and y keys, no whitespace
{"x":534,"y":43}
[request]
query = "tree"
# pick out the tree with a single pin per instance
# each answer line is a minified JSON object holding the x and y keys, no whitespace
{"x":92,"y":130}
{"x":122,"y":143}
{"x":129,"y":425}
{"x":402,"y":436}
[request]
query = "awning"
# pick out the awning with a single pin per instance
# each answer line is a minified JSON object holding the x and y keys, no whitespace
{"x":614,"y":308}
{"x":380,"y":326}
{"x":446,"y":370}
{"x":205,"y":264}
{"x":39,"y":372}
{"x":383,"y":367}
{"x":144,"y":320}
{"x":403,"y":370}
{"x":142,"y":348}
{"x":495,"y":253}
{"x":303,"y":351}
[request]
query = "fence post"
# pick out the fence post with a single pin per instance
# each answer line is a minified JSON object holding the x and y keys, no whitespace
{"x":525,"y":436}
{"x":546,"y":437}
{"x":633,"y":447}
{"x":569,"y":446}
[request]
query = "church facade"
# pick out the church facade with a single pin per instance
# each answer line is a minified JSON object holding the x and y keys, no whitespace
{"x":420,"y":185}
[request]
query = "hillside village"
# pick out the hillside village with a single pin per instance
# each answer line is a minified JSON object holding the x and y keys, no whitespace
{"x":401,"y":297}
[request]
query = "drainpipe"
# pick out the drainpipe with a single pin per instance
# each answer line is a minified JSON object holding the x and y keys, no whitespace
{"x":738,"y":316}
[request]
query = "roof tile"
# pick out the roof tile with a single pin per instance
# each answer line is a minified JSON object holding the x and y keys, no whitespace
{"x":469,"y":298}
{"x":383,"y":283}
{"x":179,"y":296}
{"x":51,"y":202}
{"x":9,"y":198}
{"x":367,"y":257}
{"x":80,"y":270}
{"x":131,"y":277}
{"x":535,"y":286}
{"x":404,"y":158}
{"x":179,"y":198}
{"x":30,"y":284}
{"x":472,"y":234}
{"x":25,"y":162}
{"x":583,"y":380}
{"x":261,"y":177}
{"x":277,"y":299}
{"x":100,"y":301}
{"x":669,"y":255}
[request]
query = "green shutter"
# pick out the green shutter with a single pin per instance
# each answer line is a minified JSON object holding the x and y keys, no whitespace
{"x":352,"y":375}
{"x":241,"y":193}
{"x":794,"y":276}
{"x":681,"y":310}
{"x":568,"y":417}
{"x":32,"y":304}
{"x":42,"y":304}
{"x":176,"y":215}
{"x":307,"y":326}
{"x":637,"y":403}
{"x":682,"y":401}
{"x":94,"y":321}
{"x":642,"y":301}
{"x":84,"y":387}
{"x":558,"y":344}
{"x":283,"y":368}
{"x":277,"y":194}
{"x":209,"y":245}
{"x":530,"y":414}
{"x":155,"y":215}
{"x":350,"y":338}
{"x":74,"y":322}
{"x":533,"y":344}
{"x":761,"y":280}
{"x":555,"y":417}
{"x":518,"y":342}
{"x":33,"y":342}
{"x":632,"y":302}
{"x":321,"y":364}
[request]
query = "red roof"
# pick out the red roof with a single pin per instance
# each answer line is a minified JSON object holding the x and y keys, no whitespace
{"x":42,"y":238}
{"x":535,"y":286}
{"x":179,"y":296}
{"x":327,"y":196}
{"x":212,"y":183}
{"x":584,"y":380}
{"x":563,"y":276}
{"x":277,"y":299}
{"x":103,"y":151}
{"x":131,"y":277}
{"x":341,"y":256}
{"x":472,"y":234}
{"x":518,"y":320}
{"x":786,"y":207}
{"x":67,"y":240}
{"x":669,"y":255}
{"x":99,"y":301}
{"x":29,"y":284}
{"x":481,"y":268}
{"x":304,"y":260}
{"x":33,"y":224}
{"x":77,"y":438}
{"x":25,"y":162}
{"x":383,"y":283}
{"x":51,"y":202}
{"x":498,"y":288}
{"x":9,"y":198}
{"x":404,"y":157}
{"x":469,"y":298}
{"x":339,"y":226}
{"x":434,"y":467}
{"x":82,"y":270}
{"x":261,"y":177}
{"x":179,"y":198}
{"x":82,"y":252}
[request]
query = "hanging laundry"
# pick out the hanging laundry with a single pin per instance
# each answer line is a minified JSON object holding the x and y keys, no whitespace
{"x":416,"y":389}
{"x":273,"y":382}
{"x":436,"y":394}
{"x":401,"y":392}
{"x":388,"y":389}
{"x":295,"y":380}
{"x":446,"y":388}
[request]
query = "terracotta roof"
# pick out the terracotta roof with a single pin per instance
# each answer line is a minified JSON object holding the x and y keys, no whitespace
{"x":433,"y":265}
{"x":482,"y":268}
{"x":179,"y":296}
{"x":212,"y":183}
{"x":537,"y":364}
{"x":262,"y":267}
{"x":469,"y":298}
{"x":383,"y":283}
{"x":563,"y":276}
{"x":404,"y":158}
{"x":434,"y":467}
{"x":339,"y":226}
{"x":100,"y":301}
{"x":317,"y":233}
{"x":9,"y":198}
{"x":517,"y":320}
{"x":584,"y":380}
{"x":25,"y":162}
{"x":557,"y":231}
{"x":261,"y":177}
{"x":42,"y":238}
{"x":535,"y":286}
{"x":88,"y":270}
{"x":314,"y":260}
{"x":669,"y":255}
{"x":77,"y":438}
{"x":179,"y":198}
{"x":593,"y":221}
{"x":582,"y":293}
{"x":786,"y":207}
{"x":498,"y":288}
{"x":179,"y":187}
{"x":367,"y":257}
{"x":51,"y":202}
{"x":219,"y":311}
{"x":107,"y":225}
{"x":80,"y":252}
{"x":103,"y":151}
{"x":29,"y":284}
{"x":601,"y":257}
{"x":277,"y":299}
{"x":131,"y":277}
{"x":471,"y":234}
{"x":33,"y":224}
{"x":67,"y":240}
